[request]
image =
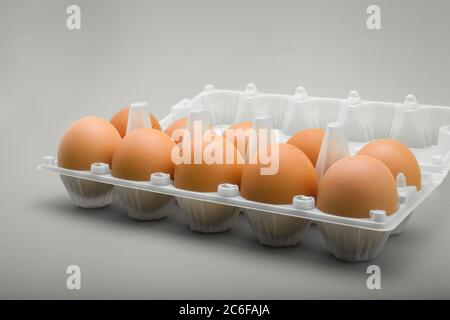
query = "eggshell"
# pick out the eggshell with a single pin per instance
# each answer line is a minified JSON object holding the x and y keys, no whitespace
{"x":398,"y":157}
{"x":237,"y":132}
{"x":309,"y":141}
{"x":179,"y":124}
{"x":296,"y":176}
{"x":120,"y":121}
{"x":353,"y":186}
{"x":206,"y":177}
{"x":88,"y":140}
{"x":141,"y":153}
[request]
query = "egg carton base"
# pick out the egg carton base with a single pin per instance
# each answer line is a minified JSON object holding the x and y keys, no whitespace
{"x":347,"y":243}
{"x":88,"y":194}
{"x":277,"y":230}
{"x":352,"y":244}
{"x":411,"y":201}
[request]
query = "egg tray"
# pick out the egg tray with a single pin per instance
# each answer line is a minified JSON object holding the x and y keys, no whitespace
{"x":351,"y":122}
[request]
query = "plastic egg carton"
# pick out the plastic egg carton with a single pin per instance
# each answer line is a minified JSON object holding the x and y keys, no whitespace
{"x":349,"y":124}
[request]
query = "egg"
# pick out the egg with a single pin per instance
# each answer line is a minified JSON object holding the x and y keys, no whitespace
{"x":354,"y":185}
{"x":295,"y":176}
{"x":397,"y":157}
{"x":141,"y":153}
{"x":238,"y":132}
{"x":309,"y":141}
{"x":87,"y":141}
{"x":179,"y":124}
{"x":120,"y":121}
{"x":205,"y":176}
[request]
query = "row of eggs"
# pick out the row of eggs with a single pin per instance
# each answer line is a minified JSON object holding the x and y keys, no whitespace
{"x":351,"y":187}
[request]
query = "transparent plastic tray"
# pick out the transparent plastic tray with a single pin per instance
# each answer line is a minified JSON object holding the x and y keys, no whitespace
{"x":349,"y":124}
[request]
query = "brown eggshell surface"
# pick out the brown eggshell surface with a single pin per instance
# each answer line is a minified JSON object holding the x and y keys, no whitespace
{"x":120,"y":121}
{"x":205,"y":177}
{"x":296,"y":176}
{"x":397,"y":157}
{"x":353,"y":186}
{"x":309,"y":141}
{"x":143,"y":152}
{"x":87,"y":141}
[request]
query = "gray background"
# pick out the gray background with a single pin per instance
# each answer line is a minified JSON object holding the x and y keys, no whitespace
{"x":165,"y":51}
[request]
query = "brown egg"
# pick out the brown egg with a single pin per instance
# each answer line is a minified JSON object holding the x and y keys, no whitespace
{"x":206,"y":176}
{"x":353,"y":186}
{"x":296,"y":176}
{"x":87,"y":141}
{"x":238,"y":132}
{"x":141,"y":153}
{"x":120,"y":121}
{"x":179,"y":124}
{"x":309,"y":141}
{"x":398,"y":157}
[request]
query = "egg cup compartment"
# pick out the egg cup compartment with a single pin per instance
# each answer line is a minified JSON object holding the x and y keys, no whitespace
{"x":144,"y":205}
{"x":206,"y":217}
{"x":425,"y":129}
{"x":88,"y":194}
{"x":353,"y":244}
{"x":210,"y":217}
{"x":277,"y":230}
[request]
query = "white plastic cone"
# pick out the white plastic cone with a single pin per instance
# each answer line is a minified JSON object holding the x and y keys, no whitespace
{"x":138,"y":116}
{"x":334,"y":147}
